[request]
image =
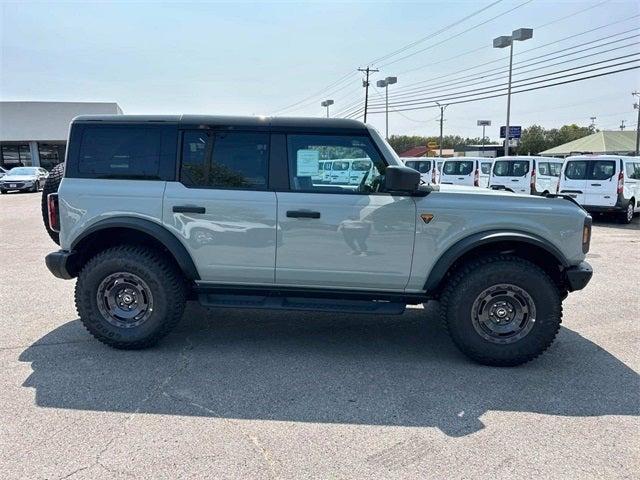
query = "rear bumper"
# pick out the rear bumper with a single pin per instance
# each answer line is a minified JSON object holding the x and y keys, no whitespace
{"x":604,"y":209}
{"x":60,"y":263}
{"x":578,"y":276}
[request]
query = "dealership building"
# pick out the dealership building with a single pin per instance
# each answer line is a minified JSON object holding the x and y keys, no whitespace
{"x":35,"y":133}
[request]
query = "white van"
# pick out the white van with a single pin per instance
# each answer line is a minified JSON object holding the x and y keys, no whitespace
{"x":340,"y":171}
{"x":358,"y":169}
{"x":520,"y":174}
{"x":426,"y":167}
{"x":461,"y":171}
{"x":485,"y":172}
{"x":603,"y":184}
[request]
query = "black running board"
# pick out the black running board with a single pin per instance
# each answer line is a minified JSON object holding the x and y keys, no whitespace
{"x":380,"y":307}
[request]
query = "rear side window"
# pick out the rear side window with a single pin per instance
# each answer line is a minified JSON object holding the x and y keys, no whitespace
{"x":126,"y":152}
{"x":633,"y":170}
{"x":485,"y":167}
{"x":225,"y":160}
{"x":458,"y":167}
{"x":576,"y":170}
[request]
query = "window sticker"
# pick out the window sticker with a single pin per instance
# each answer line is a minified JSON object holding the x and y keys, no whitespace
{"x":307,"y":163}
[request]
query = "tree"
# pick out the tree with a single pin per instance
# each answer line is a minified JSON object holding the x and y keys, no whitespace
{"x":536,"y":139}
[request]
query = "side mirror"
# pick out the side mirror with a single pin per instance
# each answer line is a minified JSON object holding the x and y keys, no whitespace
{"x":399,"y":179}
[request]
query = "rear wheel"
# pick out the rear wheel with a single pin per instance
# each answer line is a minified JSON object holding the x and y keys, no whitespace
{"x":627,"y":216}
{"x":501,"y":310}
{"x":51,"y":185}
{"x":129,"y":297}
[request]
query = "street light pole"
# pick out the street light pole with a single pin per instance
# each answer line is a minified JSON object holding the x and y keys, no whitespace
{"x":385,"y":83}
{"x":484,"y":124}
{"x":637,"y":106}
{"x":326,"y":104}
{"x":442,"y":109}
{"x":507,"y":41}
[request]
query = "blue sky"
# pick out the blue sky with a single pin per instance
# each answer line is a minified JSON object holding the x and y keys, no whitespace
{"x":255,"y":58}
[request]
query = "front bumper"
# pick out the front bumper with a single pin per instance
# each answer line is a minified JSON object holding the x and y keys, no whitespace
{"x":578,"y":276}
{"x":61,"y":264}
{"x":20,"y":187}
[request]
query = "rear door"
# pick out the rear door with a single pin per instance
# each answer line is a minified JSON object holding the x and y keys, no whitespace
{"x":485,"y":171}
{"x":221,"y":208}
{"x":512,"y":174}
{"x":573,"y":180}
{"x":602,"y":182}
{"x":458,"y":172}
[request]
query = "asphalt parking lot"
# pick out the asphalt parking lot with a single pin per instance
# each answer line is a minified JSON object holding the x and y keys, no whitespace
{"x":255,"y":394}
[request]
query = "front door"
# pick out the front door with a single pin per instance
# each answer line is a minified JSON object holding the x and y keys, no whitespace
{"x":347,"y":236}
{"x":220,"y":207}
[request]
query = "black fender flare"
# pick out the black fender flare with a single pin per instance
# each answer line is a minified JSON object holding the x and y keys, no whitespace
{"x":157,"y":231}
{"x":458,"y":249}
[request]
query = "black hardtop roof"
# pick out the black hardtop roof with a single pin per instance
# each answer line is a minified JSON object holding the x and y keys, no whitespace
{"x":227,"y":120}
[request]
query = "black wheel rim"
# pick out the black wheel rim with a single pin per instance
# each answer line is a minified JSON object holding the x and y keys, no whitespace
{"x":503,"y":313}
{"x":124,"y":300}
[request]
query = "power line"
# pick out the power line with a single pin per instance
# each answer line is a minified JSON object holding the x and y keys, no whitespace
{"x":468,"y":93}
{"x":434,"y":34}
{"x":409,"y":108}
{"x":456,"y":35}
{"x":488,"y":78}
{"x":501,"y":59}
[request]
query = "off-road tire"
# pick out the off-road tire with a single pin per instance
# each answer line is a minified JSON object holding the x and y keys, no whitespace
{"x":165,"y":282}
{"x":51,"y":186}
{"x":471,"y":279}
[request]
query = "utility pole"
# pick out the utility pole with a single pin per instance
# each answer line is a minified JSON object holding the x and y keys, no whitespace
{"x":622,"y":125}
{"x":637,"y":107}
{"x":365,"y":84}
{"x":593,"y":122}
{"x":442,"y":109}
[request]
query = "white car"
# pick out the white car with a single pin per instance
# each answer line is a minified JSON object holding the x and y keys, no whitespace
{"x":524,"y":174}
{"x":603,"y":184}
{"x":23,"y":179}
{"x":358,"y":169}
{"x":340,"y":172}
{"x":426,"y":167}
{"x":461,"y":171}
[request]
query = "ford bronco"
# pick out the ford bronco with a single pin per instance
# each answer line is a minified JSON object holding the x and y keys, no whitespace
{"x":152,"y":211}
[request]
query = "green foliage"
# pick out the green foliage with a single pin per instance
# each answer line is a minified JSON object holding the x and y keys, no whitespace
{"x":536,"y":139}
{"x":402,"y":143}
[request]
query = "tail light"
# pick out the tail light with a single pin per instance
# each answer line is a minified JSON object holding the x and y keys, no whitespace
{"x":621,"y":181}
{"x":476,"y":178}
{"x":586,"y":234}
{"x":52,"y":209}
{"x":533,"y":180}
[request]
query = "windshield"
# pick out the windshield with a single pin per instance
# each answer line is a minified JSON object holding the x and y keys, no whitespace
{"x":22,"y":171}
{"x":590,"y":169}
{"x":458,"y":167}
{"x":511,"y":168}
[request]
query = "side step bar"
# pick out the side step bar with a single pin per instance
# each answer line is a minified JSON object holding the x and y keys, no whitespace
{"x":380,"y":307}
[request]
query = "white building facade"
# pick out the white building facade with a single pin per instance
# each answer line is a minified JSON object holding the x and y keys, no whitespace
{"x":35,"y":133}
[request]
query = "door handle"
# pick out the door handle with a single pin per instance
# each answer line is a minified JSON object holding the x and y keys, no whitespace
{"x":596,"y":184}
{"x":302,"y":214}
{"x":188,"y":209}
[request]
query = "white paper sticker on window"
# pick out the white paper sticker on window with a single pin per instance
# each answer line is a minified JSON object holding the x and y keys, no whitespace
{"x":308,"y":163}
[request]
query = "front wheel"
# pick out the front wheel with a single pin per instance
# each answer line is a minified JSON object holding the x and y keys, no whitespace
{"x":130,"y":297}
{"x":501,"y":310}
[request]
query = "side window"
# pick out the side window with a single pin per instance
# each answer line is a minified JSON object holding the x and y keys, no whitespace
{"x":225,"y":160}
{"x":543,"y":168}
{"x":633,"y":170}
{"x":485,"y":167}
{"x":356,"y":166}
{"x":520,"y":169}
{"x":576,"y":170}
{"x":127,"y":152}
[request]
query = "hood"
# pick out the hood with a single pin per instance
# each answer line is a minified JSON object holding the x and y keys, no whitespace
{"x":445,"y":188}
{"x":19,"y":178}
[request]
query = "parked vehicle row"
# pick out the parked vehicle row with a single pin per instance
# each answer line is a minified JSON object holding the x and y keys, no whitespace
{"x":23,"y":179}
{"x":607,"y":184}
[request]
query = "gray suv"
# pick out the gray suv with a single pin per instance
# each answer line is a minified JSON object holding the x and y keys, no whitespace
{"x":152,"y":211}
